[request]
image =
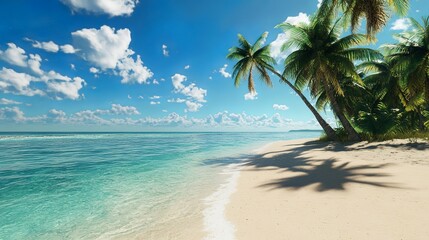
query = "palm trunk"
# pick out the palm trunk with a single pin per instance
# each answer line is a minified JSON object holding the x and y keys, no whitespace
{"x":330,"y":133}
{"x":421,"y":120}
{"x":352,"y":134}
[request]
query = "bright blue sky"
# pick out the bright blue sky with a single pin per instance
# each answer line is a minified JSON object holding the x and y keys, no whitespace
{"x":48,"y":85}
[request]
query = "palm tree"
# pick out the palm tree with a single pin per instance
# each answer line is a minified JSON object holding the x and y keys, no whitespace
{"x":257,"y":59}
{"x":374,"y":11}
{"x":410,"y":59}
{"x":383,"y":82}
{"x":323,"y":58}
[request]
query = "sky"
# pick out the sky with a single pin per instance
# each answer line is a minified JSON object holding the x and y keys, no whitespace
{"x":148,"y":65}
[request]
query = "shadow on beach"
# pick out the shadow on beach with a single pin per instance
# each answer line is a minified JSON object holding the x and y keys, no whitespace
{"x":304,"y":169}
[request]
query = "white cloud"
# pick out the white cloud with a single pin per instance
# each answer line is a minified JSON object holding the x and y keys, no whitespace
{"x":401,"y":24}
{"x":194,"y":94}
{"x":187,"y":67}
{"x":177,"y":100}
{"x":154,"y":102}
{"x":319,"y":3}
{"x":155,"y":82}
{"x":5,"y":101}
{"x":57,"y":85}
{"x":107,"y":48}
{"x":133,"y":71}
{"x":165,"y":50}
{"x":140,"y":97}
{"x":47,"y":46}
{"x":251,"y":96}
{"x":67,"y":48}
{"x":34,"y":63}
{"x":118,"y":109}
{"x":276,"y":45}
{"x":65,"y":88}
{"x":192,"y":91}
{"x":94,"y":70}
{"x":15,"y":114}
{"x":102,"y":47}
{"x":219,"y":121}
{"x":155,"y":97}
{"x":301,"y":18}
{"x":17,"y":83}
{"x":192,"y":106}
{"x":51,"y":46}
{"x":223,"y":71}
{"x":129,"y":97}
{"x":12,"y":113}
{"x":110,"y":7}
{"x":72,"y":66}
{"x":280,"y":107}
{"x":14,"y":55}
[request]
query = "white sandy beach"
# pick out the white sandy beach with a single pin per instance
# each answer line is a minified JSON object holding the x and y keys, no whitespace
{"x":305,"y":189}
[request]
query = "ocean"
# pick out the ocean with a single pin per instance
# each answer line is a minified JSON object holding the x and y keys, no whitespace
{"x":122,"y":185}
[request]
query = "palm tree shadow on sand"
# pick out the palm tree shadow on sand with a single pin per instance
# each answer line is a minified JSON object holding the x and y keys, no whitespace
{"x":326,"y":174}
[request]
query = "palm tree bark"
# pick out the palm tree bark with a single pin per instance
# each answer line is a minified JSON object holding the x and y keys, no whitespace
{"x":352,"y":134}
{"x":330,"y":133}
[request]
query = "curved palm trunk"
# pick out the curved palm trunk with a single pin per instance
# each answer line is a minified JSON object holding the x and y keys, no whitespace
{"x":353,"y":135}
{"x":330,"y":133}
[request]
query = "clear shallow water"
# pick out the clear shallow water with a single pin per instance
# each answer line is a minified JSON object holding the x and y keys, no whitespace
{"x":112,"y":185}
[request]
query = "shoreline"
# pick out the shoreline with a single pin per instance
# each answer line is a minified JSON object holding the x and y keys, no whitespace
{"x":300,"y":189}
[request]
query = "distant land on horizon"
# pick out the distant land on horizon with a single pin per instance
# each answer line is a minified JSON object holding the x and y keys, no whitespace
{"x":306,"y":130}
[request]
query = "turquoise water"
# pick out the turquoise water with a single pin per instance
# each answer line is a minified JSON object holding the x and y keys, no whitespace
{"x":112,"y":185}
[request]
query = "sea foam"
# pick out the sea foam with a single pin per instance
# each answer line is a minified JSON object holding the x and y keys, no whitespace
{"x":215,"y":223}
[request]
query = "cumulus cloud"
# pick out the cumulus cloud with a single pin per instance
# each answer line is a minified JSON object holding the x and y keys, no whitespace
{"x":55,"y":85}
{"x":195,"y":95}
{"x":165,"y":50}
{"x":177,"y":100}
{"x":110,"y":7}
{"x":280,"y":107}
{"x":191,"y":91}
{"x":47,"y":46}
{"x":118,"y":109}
{"x":68,"y":88}
{"x":187,"y":67}
{"x":102,"y":47}
{"x":133,"y":71}
{"x":220,"y":120}
{"x":192,"y":106}
{"x":67,"y":48}
{"x":276,"y":45}
{"x":17,"y":83}
{"x":51,"y":46}
{"x":223,"y":71}
{"x":107,"y":48}
{"x":251,"y":96}
{"x":94,"y":70}
{"x":14,"y":55}
{"x":154,"y":102}
{"x":5,"y":101}
{"x":402,"y":24}
{"x":155,"y":97}
{"x":15,"y":114}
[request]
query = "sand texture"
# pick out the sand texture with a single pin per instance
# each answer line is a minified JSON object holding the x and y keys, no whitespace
{"x":311,"y":190}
